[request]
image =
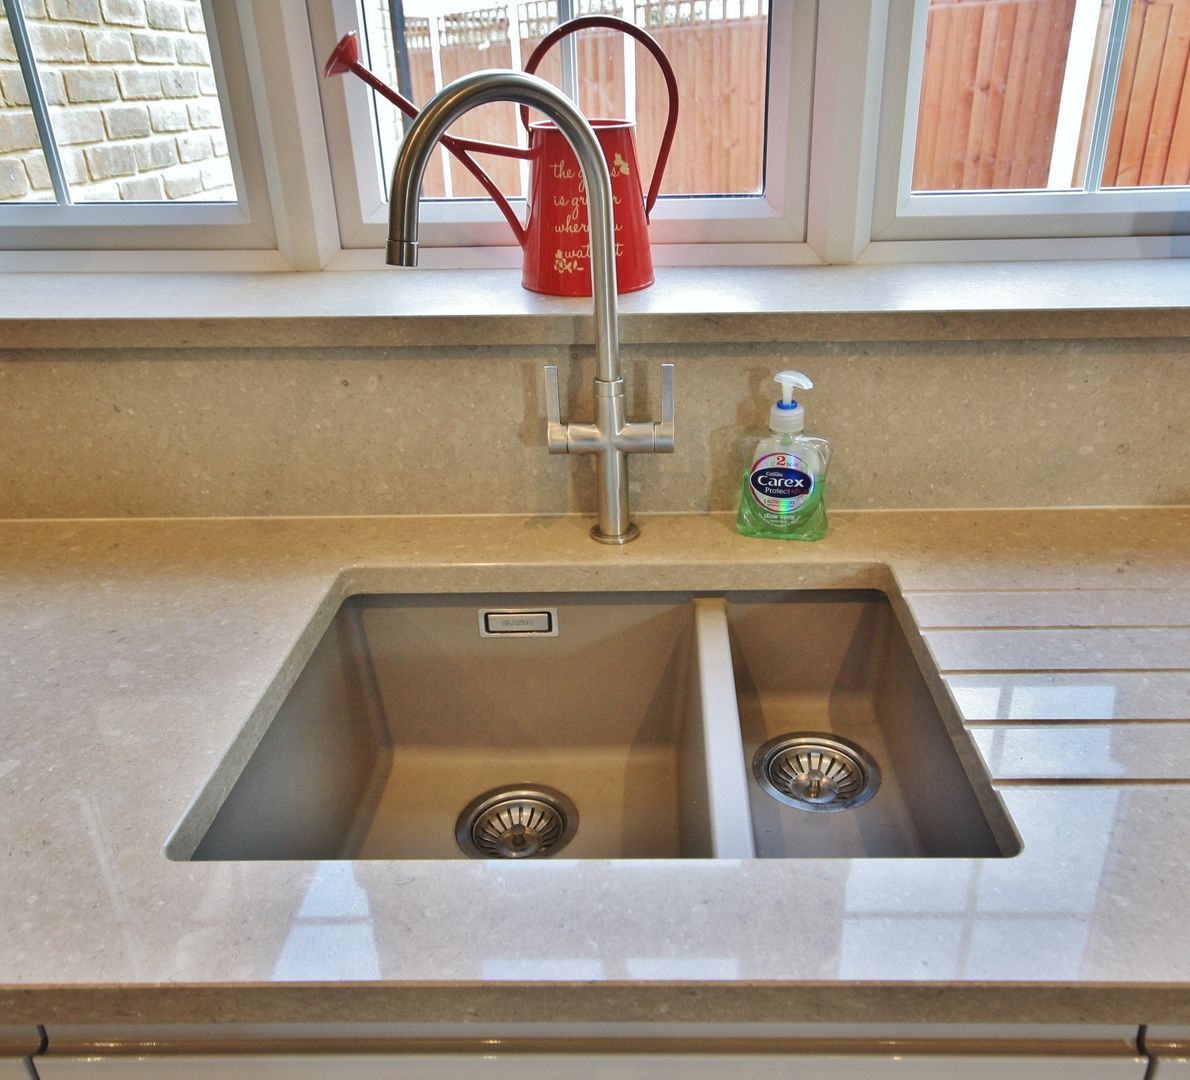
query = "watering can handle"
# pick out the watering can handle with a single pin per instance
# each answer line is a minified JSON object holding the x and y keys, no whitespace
{"x":610,"y":22}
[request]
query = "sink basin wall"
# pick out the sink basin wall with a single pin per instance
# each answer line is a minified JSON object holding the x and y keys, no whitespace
{"x":308,"y":789}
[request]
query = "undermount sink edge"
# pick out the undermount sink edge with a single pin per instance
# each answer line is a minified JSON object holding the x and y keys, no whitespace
{"x":681,"y":768}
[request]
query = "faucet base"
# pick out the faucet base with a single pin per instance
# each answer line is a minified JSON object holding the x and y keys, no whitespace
{"x":627,"y":536}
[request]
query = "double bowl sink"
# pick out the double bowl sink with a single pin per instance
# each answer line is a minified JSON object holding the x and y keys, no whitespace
{"x":736,"y":725}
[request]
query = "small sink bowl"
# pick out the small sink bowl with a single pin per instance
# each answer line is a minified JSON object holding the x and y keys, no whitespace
{"x":604,"y":726}
{"x":842,"y":664}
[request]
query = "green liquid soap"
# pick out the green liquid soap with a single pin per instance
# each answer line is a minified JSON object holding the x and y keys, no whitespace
{"x":807,"y":522}
{"x":783,"y":489}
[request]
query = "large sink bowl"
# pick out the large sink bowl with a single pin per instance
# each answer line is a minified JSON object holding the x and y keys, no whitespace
{"x":410,"y":709}
{"x":602,"y":726}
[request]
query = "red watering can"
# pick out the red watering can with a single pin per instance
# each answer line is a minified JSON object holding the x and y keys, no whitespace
{"x":555,"y":238}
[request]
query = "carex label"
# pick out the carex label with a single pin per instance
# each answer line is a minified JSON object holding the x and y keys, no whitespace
{"x":780,"y":482}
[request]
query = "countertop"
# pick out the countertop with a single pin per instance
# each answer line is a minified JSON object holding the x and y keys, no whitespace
{"x":132,"y":652}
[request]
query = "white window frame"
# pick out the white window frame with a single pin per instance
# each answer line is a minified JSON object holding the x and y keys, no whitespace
{"x":1133,"y":221}
{"x":840,"y":118}
{"x":767,"y":228}
{"x":246,"y":224}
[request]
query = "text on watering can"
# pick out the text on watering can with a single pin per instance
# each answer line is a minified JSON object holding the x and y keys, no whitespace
{"x":569,"y":260}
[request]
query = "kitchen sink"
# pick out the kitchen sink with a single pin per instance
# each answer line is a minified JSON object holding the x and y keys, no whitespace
{"x":607,"y":726}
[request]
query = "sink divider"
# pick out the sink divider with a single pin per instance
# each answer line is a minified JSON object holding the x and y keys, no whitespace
{"x":729,"y":814}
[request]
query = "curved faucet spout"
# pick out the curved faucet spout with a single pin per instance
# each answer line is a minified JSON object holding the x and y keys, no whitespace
{"x":479,"y":88}
{"x":611,"y":436}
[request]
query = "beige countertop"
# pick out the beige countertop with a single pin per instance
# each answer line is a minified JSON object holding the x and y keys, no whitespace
{"x":133,"y":652}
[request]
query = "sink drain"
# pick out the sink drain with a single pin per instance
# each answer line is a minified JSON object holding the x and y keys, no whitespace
{"x":520,"y":822}
{"x":813,"y":771}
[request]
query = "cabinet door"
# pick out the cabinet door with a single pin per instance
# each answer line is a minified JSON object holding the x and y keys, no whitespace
{"x":422,"y":1067}
{"x":591,"y":1067}
{"x":16,"y":1069}
{"x":1170,"y":1046}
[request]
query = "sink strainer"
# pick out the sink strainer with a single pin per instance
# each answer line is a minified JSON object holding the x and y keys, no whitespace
{"x":813,"y":771}
{"x":519,"y":822}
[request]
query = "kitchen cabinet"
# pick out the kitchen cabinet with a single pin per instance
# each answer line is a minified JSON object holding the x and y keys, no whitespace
{"x":18,"y":1042}
{"x":618,"y":1051}
{"x":16,"y":1069}
{"x":1169,"y":1047}
{"x":578,"y":1066}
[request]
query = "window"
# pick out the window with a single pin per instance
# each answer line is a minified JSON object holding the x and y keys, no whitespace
{"x":122,"y":110}
{"x":1107,"y":114}
{"x":730,"y":176}
{"x":1035,"y":118}
{"x":114,"y":120}
{"x":613,"y":76}
{"x":810,"y":130}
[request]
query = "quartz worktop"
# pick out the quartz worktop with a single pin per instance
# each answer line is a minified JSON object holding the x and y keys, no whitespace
{"x":133,"y":652}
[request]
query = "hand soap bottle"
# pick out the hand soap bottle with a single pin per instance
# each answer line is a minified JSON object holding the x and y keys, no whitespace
{"x":784,"y":484}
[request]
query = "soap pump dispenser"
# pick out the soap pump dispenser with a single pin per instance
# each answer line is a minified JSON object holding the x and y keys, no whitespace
{"x":784,"y":482}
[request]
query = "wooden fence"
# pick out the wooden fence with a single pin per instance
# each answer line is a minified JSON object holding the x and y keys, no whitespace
{"x":993,"y":80}
{"x":1150,"y":134}
{"x":720,"y":66}
{"x":990,"y":93}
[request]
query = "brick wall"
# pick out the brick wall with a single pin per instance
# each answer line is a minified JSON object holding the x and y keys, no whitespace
{"x":132,"y":100}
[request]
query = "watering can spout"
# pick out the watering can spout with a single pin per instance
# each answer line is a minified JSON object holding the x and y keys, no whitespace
{"x":345,"y":58}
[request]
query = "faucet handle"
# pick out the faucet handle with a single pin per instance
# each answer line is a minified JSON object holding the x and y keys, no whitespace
{"x":555,"y":430}
{"x":663,"y":433}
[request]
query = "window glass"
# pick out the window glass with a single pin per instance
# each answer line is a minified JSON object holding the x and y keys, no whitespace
{"x":719,"y":52}
{"x":1012,"y":95}
{"x":23,"y":173}
{"x":131,"y":98}
{"x":1149,"y":142}
{"x":718,"y":49}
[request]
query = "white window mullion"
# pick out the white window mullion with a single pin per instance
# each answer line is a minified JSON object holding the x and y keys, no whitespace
{"x":848,"y":81}
{"x":568,"y":51}
{"x":630,"y":64}
{"x":289,"y":115}
{"x":513,"y":8}
{"x":436,"y":61}
{"x":1075,"y":81}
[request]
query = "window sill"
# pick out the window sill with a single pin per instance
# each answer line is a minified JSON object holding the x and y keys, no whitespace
{"x":939,"y":301}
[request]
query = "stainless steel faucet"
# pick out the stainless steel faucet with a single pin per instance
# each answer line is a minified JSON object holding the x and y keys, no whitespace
{"x":611,"y":437}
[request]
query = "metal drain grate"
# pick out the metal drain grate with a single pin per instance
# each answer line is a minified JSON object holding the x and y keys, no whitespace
{"x":814,"y":771}
{"x":517,"y":822}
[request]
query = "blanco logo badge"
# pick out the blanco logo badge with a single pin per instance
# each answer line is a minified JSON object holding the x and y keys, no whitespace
{"x":530,"y":622}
